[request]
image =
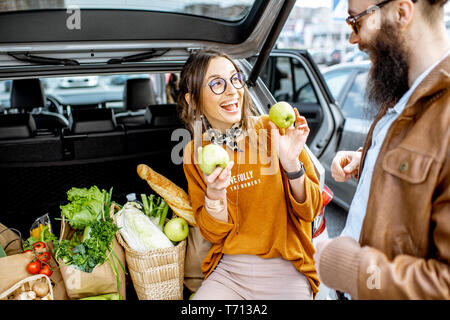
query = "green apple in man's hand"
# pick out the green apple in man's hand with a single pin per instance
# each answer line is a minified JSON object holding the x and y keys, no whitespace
{"x":282,"y":114}
{"x":212,"y":156}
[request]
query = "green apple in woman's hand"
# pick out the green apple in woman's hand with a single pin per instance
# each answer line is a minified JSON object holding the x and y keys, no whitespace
{"x":212,"y":156}
{"x":282,"y":114}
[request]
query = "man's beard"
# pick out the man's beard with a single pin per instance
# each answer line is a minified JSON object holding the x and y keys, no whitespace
{"x":388,"y":76}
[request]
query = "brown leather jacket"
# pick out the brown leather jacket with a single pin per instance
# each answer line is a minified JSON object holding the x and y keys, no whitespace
{"x":407,"y":222}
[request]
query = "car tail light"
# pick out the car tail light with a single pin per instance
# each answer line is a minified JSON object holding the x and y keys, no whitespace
{"x":319,"y":223}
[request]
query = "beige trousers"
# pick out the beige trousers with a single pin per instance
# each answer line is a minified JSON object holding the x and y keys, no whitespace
{"x":249,"y":277}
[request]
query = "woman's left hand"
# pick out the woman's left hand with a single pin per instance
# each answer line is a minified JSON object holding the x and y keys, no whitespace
{"x":291,"y":144}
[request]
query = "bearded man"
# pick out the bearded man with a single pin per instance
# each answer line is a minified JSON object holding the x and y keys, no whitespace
{"x":396,"y":242}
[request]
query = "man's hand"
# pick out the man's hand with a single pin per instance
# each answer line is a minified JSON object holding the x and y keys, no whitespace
{"x":345,"y":165}
{"x":335,"y":261}
{"x":319,"y":249}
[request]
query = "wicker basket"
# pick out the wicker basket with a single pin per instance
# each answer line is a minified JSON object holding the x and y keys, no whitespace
{"x":156,"y":274}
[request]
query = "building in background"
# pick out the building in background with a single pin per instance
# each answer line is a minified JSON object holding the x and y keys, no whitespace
{"x":320,"y":27}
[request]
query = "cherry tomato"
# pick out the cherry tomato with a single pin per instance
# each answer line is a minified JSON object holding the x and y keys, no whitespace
{"x":34,"y":267}
{"x":46,"y":270}
{"x":39,"y":247}
{"x":28,"y":250}
{"x":44,"y":257}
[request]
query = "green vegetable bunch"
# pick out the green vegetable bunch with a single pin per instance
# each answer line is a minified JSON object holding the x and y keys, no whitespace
{"x":90,"y":245}
{"x":156,"y":208}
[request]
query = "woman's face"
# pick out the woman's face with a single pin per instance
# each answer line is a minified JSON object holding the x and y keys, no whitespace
{"x":221,"y":110}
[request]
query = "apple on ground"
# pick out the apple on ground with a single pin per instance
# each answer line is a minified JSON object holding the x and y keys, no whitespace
{"x":212,"y":156}
{"x":282,"y":114}
{"x":176,"y":229}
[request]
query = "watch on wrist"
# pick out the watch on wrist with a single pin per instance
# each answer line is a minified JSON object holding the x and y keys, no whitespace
{"x":295,"y":174}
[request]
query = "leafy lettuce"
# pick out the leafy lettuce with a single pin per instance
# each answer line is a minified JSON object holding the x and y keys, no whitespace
{"x":84,"y":208}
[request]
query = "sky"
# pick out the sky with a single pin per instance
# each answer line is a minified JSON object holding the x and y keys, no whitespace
{"x":313,"y":3}
{"x":327,"y":3}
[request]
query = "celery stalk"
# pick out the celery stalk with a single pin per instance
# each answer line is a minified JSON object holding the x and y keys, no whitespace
{"x":145,"y":203}
{"x":163,"y":216}
{"x":150,"y":200}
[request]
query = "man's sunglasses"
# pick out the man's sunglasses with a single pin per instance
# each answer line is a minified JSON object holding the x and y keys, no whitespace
{"x":353,"y":21}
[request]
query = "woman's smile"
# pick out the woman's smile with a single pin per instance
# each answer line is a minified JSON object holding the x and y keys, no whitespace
{"x":231,"y":107}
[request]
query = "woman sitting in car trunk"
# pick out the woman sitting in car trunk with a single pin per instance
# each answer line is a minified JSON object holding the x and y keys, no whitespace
{"x":258,"y":210}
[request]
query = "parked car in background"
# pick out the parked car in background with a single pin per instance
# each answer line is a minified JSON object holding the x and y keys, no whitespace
{"x":335,"y":57}
{"x":79,"y":82}
{"x":326,"y":57}
{"x":347,"y":83}
{"x":356,"y":56}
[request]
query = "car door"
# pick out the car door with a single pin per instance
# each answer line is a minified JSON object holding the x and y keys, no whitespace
{"x":287,"y":76}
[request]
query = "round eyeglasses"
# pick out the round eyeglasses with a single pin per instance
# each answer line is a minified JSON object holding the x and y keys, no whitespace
{"x":219,"y":85}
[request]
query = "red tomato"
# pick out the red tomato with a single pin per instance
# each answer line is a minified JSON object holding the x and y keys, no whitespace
{"x":28,"y":250}
{"x":44,"y":257}
{"x":46,"y":270}
{"x":34,"y":267}
{"x":39,"y":247}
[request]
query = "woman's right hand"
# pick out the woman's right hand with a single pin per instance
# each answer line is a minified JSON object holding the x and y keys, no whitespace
{"x":345,"y":165}
{"x":218,"y":181}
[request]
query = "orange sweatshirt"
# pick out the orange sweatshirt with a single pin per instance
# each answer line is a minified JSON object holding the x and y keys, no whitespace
{"x":264,"y":219}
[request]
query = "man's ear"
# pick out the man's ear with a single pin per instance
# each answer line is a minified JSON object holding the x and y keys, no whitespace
{"x":404,"y":13}
{"x":187,"y":97}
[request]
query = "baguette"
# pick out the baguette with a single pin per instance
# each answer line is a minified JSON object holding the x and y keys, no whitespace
{"x":176,"y":198}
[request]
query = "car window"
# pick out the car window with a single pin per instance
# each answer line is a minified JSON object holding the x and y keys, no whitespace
{"x":304,"y":92}
{"x":282,"y":86}
{"x":87,"y":91}
{"x":336,"y":80}
{"x":354,"y":103}
{"x":224,"y":10}
{"x":287,"y":79}
{"x":5,"y":88}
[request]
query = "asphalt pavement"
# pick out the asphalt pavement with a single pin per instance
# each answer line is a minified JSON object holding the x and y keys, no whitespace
{"x":335,"y":218}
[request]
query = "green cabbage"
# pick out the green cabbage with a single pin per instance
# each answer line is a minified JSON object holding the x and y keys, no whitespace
{"x":139,"y":232}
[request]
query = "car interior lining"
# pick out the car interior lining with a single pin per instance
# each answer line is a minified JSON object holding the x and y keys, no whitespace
{"x":138,"y":95}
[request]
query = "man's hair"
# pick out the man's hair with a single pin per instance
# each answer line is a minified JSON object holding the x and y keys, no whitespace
{"x":438,"y":2}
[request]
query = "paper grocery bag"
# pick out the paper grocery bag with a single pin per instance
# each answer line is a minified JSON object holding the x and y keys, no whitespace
{"x":10,"y":240}
{"x":14,"y":269}
{"x":101,"y":280}
{"x":196,"y":250}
